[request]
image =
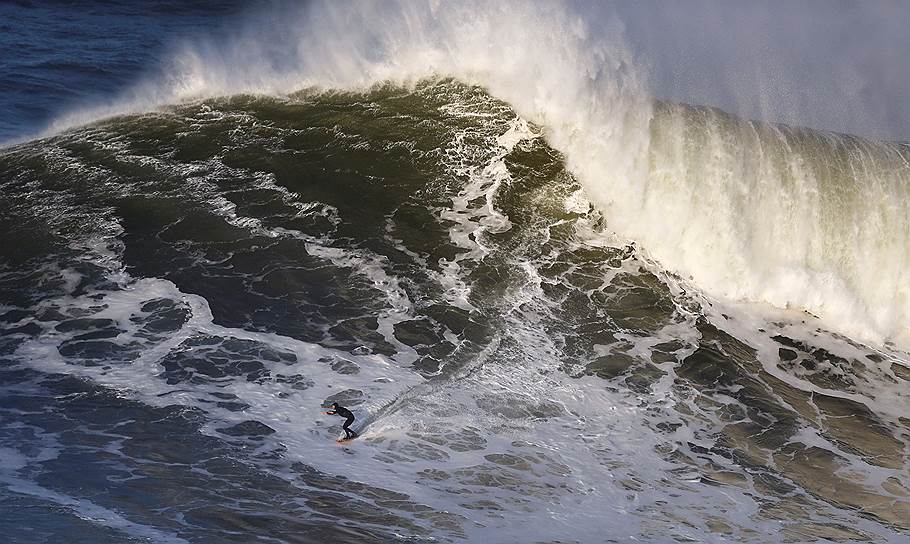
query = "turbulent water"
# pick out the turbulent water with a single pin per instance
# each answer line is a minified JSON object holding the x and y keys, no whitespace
{"x":552,"y":323}
{"x":183,"y":291}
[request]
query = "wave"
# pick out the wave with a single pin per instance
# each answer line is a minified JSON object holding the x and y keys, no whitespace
{"x":424,"y":257}
{"x":749,"y":211}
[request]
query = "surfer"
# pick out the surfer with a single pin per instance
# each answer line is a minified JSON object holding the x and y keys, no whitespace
{"x":341,"y":411}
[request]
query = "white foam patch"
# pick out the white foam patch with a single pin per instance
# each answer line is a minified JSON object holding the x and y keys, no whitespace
{"x":485,"y":175}
{"x":883,"y":396}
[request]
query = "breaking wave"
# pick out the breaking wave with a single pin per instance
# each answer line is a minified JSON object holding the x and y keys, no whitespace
{"x":749,"y":211}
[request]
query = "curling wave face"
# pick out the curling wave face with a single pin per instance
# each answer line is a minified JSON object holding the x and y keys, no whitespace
{"x":749,"y":211}
{"x":183,"y":289}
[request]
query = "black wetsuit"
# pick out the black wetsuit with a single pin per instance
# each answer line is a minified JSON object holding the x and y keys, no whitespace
{"x":349,"y":418}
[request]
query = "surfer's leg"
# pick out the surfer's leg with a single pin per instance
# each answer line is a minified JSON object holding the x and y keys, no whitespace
{"x":348,"y":433}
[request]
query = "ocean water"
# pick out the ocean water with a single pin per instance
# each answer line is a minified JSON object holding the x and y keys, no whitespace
{"x":561,"y":310}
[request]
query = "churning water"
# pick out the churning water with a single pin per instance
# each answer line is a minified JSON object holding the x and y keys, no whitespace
{"x":561,"y":311}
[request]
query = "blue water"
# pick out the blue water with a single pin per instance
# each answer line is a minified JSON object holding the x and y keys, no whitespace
{"x":58,"y":55}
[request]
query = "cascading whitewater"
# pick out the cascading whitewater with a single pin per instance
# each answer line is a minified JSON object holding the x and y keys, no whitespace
{"x":793,"y":217}
{"x":749,"y":211}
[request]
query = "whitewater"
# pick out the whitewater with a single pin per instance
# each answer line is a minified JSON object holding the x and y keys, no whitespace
{"x":561,"y":310}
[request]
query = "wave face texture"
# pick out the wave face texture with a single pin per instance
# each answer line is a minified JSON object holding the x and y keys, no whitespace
{"x":560,"y":310}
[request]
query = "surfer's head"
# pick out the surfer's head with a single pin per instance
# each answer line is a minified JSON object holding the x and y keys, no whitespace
{"x":334,"y":405}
